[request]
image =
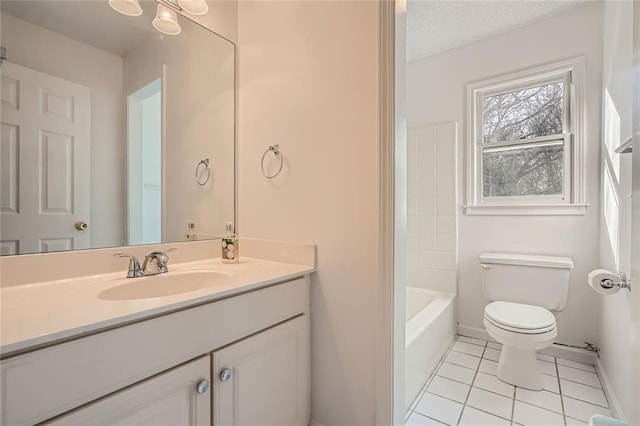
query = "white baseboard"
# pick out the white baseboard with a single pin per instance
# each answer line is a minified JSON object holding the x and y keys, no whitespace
{"x":614,"y":403}
{"x":573,"y":354}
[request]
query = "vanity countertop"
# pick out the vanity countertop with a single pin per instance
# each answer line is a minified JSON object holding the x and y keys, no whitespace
{"x":40,"y":314}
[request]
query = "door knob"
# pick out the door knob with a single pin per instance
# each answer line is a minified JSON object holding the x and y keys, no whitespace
{"x":203,"y":386}
{"x":225,"y":375}
{"x":81,"y":226}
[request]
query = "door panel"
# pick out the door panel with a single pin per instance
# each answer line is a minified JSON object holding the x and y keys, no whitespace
{"x":45,"y":163}
{"x":169,"y":399}
{"x":269,"y":383}
{"x":9,"y":183}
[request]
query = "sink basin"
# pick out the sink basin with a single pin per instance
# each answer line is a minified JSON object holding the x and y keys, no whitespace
{"x":162,"y":285}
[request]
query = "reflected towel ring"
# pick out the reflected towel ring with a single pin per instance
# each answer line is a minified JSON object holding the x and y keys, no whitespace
{"x":277,"y":153}
{"x":202,"y":181}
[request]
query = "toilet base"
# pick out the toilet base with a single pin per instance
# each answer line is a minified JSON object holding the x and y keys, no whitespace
{"x":519,"y":367}
{"x":518,"y":364}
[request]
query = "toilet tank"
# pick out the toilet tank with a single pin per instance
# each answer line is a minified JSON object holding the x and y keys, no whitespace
{"x":523,"y":278}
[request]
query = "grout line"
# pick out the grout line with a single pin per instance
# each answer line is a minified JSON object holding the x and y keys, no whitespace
{"x":462,"y":366}
{"x":575,"y":362}
{"x":578,"y":420}
{"x":580,"y":383}
{"x":587,"y":402}
{"x":443,"y":397}
{"x":471,"y":386}
{"x":454,"y":380}
{"x":453,"y":350}
{"x":564,"y":415}
{"x":471,"y":343}
{"x":490,"y":391}
{"x":431,"y":418}
{"x":513,"y":402}
{"x":540,"y":406}
{"x":488,"y":412}
{"x":579,"y":369}
{"x":466,"y":353}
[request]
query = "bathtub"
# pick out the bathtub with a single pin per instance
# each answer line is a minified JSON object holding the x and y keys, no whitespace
{"x":430,"y":329}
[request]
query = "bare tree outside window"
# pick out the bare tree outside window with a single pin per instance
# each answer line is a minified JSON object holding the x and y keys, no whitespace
{"x":532,"y":170}
{"x":523,"y":169}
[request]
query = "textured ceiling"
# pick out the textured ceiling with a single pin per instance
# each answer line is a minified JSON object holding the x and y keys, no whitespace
{"x":434,"y":26}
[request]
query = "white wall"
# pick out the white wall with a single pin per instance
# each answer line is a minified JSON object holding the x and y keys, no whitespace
{"x":35,"y":47}
{"x":615,"y":222}
{"x":308,"y":81}
{"x":431,"y":207}
{"x":436,"y":87}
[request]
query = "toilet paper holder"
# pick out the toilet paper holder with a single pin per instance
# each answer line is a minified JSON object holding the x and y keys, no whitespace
{"x":622,"y":283}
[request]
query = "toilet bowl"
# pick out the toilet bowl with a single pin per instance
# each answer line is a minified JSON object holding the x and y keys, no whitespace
{"x":522,"y":329}
{"x":523,"y":290}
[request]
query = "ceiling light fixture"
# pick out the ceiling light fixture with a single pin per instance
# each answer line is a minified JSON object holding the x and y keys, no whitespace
{"x":194,"y":7}
{"x":126,"y":7}
{"x":166,"y":21}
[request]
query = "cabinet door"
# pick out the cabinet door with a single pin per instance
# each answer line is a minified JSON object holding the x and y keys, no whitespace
{"x":171,"y":398}
{"x":267,"y":380}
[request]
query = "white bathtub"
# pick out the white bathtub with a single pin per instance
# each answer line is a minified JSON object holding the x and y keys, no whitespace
{"x":429,"y":331}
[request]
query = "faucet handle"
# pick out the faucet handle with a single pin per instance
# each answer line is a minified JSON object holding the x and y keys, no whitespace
{"x":134,"y":266}
{"x":161,"y":260}
{"x":161,"y":256}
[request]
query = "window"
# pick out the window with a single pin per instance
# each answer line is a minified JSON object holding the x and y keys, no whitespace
{"x":525,"y":154}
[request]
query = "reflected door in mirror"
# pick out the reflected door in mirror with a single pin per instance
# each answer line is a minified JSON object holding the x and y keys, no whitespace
{"x":45,"y":162}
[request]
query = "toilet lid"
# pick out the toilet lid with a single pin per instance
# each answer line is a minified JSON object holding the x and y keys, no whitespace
{"x":519,"y":316}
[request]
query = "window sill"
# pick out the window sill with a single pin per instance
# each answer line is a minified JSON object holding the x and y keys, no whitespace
{"x":526,"y":210}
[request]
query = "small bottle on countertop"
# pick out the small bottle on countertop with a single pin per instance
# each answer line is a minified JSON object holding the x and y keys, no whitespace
{"x":191,"y":231}
{"x":230,"y":245}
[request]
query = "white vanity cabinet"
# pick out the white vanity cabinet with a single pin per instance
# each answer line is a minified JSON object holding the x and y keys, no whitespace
{"x":148,"y":372}
{"x":180,"y":396}
{"x":264,"y":380}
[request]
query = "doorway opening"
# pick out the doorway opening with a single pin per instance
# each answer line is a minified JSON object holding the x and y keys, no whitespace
{"x":144,"y":166}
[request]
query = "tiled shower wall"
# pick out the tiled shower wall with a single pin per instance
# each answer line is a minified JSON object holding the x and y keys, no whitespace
{"x":431,"y":207}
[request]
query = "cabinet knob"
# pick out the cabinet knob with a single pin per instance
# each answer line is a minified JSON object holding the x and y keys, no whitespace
{"x":203,"y":386}
{"x":225,"y":375}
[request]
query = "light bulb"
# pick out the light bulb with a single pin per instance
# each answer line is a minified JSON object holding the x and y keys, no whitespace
{"x":194,"y":7}
{"x":166,"y":21}
{"x":126,"y":7}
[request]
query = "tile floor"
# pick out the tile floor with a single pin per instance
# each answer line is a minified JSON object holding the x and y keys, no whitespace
{"x":465,"y":391}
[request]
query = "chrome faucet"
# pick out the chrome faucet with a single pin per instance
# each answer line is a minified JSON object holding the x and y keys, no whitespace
{"x":154,"y":263}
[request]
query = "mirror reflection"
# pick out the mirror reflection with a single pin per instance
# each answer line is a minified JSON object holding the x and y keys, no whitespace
{"x":117,"y":128}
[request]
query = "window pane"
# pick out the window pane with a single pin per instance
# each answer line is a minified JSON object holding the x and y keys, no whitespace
{"x":523,"y":113}
{"x":523,"y":170}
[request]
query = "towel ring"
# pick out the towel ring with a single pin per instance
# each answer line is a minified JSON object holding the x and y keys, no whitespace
{"x":277,"y":153}
{"x":202,"y":181}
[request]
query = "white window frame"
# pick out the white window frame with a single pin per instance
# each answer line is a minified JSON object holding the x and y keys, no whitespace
{"x":572,"y":200}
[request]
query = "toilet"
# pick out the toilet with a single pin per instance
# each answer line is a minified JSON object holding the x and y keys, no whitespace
{"x":523,"y":291}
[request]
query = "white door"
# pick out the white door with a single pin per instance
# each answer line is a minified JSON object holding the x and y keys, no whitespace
{"x":44,"y":162}
{"x":178,"y":397}
{"x":264,"y":380}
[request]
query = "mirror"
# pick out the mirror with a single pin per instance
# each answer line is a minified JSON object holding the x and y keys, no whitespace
{"x":113,"y":133}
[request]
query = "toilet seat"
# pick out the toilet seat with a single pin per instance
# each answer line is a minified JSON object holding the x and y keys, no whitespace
{"x":520,"y":318}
